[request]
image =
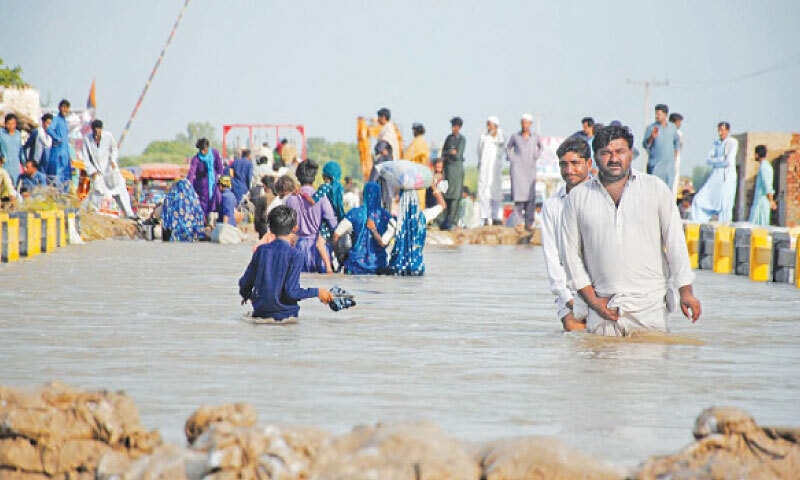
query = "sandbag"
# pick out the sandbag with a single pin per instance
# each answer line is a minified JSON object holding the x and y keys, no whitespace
{"x":405,"y":175}
{"x":226,"y":234}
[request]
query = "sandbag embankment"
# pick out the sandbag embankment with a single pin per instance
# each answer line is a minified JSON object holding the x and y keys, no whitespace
{"x":729,"y":444}
{"x":60,"y":432}
{"x":225,"y":443}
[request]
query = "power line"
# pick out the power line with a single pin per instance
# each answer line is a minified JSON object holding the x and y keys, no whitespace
{"x":787,"y":62}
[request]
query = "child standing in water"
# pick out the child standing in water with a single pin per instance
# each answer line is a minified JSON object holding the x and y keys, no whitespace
{"x":272,"y":280}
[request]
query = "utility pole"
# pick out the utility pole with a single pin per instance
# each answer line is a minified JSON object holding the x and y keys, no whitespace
{"x":647,"y":113}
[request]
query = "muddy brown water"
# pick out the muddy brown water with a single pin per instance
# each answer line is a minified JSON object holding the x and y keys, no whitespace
{"x":473,"y":346}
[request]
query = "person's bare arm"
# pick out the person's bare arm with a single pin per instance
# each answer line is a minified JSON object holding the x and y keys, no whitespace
{"x":598,"y":304}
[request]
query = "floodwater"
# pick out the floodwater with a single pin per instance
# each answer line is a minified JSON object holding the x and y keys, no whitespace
{"x":473,"y":346}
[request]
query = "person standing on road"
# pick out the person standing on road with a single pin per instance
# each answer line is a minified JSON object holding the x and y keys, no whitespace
{"x":523,"y":150}
{"x":490,"y":172}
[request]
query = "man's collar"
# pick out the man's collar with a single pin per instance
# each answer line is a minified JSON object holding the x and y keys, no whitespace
{"x":632,"y":174}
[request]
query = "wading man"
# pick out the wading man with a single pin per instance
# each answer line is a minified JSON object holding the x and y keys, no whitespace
{"x":575,"y":162}
{"x":623,"y":245}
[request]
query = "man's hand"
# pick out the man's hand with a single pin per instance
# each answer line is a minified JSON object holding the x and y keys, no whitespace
{"x":690,"y":303}
{"x":371,"y":225}
{"x":244,"y":300}
{"x":600,"y":305}
{"x":571,"y":304}
{"x":773,"y":205}
{"x":570,"y":323}
{"x":453,"y":152}
{"x":325,"y":296}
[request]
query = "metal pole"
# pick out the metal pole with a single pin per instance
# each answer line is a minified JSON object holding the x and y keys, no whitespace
{"x":647,"y":113}
{"x":152,"y":74}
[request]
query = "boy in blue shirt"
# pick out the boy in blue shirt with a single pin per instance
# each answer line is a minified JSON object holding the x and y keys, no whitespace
{"x":227,"y":204}
{"x":272,"y":280}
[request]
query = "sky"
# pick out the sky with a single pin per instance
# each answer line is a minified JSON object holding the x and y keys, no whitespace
{"x":324,"y":63}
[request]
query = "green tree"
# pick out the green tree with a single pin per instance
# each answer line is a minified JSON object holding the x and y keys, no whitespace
{"x":346,"y":153}
{"x":196,"y":131}
{"x":700,"y":174}
{"x":11,"y":77}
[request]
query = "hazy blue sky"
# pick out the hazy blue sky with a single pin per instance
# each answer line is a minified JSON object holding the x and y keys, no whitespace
{"x":325,"y":63}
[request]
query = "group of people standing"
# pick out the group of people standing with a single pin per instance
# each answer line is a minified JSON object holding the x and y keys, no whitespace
{"x":40,"y":160}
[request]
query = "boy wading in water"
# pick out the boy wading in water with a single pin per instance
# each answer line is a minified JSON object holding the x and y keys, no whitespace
{"x":272,"y":280}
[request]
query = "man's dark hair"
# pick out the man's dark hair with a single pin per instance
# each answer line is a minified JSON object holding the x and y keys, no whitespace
{"x":456,"y":122}
{"x":418,"y":129}
{"x":46,"y":117}
{"x":724,"y":124}
{"x":307,"y":172}
{"x":662,"y":107}
{"x":64,"y":103}
{"x":9,"y":116}
{"x":674,"y":117}
{"x":761,"y":151}
{"x":605,"y":135}
{"x":282,"y":220}
{"x":97,"y":124}
{"x":35,"y":164}
{"x":576,"y":145}
{"x":588,"y":121}
{"x":245,"y":153}
{"x":385,"y":113}
{"x":202,"y":144}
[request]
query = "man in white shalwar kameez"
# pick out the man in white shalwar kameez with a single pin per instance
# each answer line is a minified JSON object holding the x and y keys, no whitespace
{"x":718,"y":194}
{"x":100,"y":156}
{"x":575,"y":163}
{"x":490,"y":172}
{"x":623,"y":247}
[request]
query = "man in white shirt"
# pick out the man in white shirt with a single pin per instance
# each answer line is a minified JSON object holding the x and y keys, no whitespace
{"x":575,"y":162}
{"x":388,"y":133}
{"x":623,"y":245}
{"x":490,"y":172}
{"x":100,"y":156}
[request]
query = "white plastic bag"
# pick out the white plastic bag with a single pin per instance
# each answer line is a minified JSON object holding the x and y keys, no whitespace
{"x":405,"y":175}
{"x":226,"y":233}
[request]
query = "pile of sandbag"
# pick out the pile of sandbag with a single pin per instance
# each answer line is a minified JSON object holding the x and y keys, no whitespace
{"x":729,"y":444}
{"x":60,"y":432}
{"x":225,"y":443}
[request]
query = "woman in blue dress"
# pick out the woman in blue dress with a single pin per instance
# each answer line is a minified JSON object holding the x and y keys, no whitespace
{"x":182,"y":218}
{"x":368,"y":224}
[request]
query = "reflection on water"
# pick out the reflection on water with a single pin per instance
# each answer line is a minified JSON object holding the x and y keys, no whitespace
{"x":474,"y":346}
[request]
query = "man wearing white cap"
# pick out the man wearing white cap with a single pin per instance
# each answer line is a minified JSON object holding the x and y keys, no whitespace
{"x":523,"y":150}
{"x":490,"y":172}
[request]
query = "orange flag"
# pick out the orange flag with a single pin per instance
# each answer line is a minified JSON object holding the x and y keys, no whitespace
{"x":91,"y":102}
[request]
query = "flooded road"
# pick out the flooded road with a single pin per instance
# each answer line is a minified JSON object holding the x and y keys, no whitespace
{"x":474,"y":346}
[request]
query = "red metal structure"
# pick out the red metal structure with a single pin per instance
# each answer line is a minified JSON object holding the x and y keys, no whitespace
{"x":265,"y":126}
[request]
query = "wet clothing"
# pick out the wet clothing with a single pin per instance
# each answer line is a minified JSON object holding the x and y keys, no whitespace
{"x":409,"y":236}
{"x":204,"y":179}
{"x":490,"y":175}
{"x":761,"y":212}
{"x":182,"y":217}
{"x":334,"y":192}
{"x":718,"y":194}
{"x":366,"y":257}
{"x":11,"y":149}
{"x":634,"y":253}
{"x":59,"y":168}
{"x":661,"y":151}
{"x":227,"y":207}
{"x":551,"y":240}
{"x":272,"y":281}
{"x":309,"y":219}
{"x":242,"y":177}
